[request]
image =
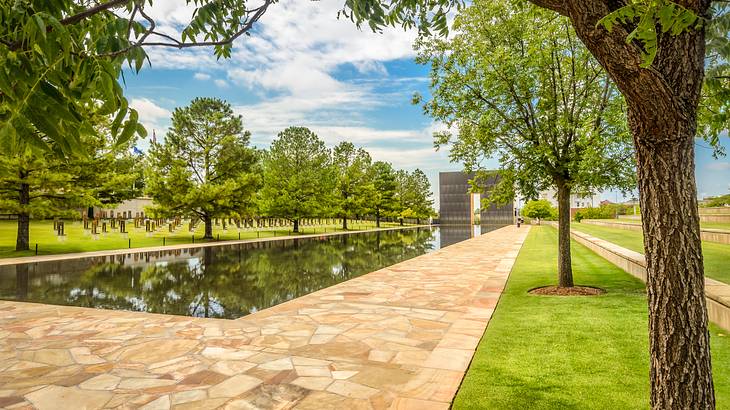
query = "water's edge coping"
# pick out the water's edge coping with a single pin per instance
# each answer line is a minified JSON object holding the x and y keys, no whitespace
{"x":126,"y":251}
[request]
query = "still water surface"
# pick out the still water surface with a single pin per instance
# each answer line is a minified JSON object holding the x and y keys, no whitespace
{"x":227,"y":281}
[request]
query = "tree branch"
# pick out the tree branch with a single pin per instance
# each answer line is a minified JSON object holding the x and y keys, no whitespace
{"x":92,"y":11}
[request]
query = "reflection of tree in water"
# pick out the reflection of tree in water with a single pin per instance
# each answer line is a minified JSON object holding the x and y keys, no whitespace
{"x":227,"y":282}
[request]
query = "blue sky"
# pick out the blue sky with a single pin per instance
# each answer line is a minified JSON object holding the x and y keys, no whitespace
{"x":304,"y":67}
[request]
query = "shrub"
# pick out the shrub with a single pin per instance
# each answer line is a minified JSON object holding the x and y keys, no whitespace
{"x":539,"y":209}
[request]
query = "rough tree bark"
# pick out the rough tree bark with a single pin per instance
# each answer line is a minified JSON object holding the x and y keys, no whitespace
{"x":662,"y":112}
{"x":565,"y":266}
{"x":208,"y":227}
{"x":22,"y":242}
{"x":296,"y":226}
{"x":344,"y":222}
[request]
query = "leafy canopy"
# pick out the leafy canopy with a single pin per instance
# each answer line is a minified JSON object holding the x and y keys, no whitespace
{"x":536,"y":100}
{"x":299,"y":178}
{"x":61,"y":60}
{"x":205,"y":166}
{"x":541,"y":209}
{"x":352,"y":168}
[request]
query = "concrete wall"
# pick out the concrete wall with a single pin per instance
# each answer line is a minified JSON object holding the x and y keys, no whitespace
{"x":717,"y":293}
{"x":707,"y":234}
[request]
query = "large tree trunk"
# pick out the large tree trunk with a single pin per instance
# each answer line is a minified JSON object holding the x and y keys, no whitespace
{"x":296,"y":226}
{"x":208,"y":227}
{"x":377,"y":218}
{"x":681,"y":371}
{"x":344,"y":222}
{"x":22,"y":242}
{"x":565,"y":266}
{"x":662,"y":111}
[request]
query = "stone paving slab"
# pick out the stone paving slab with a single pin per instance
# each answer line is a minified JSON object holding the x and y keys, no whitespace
{"x":398,"y":338}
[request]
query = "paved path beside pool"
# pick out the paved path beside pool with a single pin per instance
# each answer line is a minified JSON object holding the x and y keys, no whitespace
{"x":400,"y":338}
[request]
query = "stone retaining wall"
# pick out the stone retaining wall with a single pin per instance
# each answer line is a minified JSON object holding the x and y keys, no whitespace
{"x":716,"y":210}
{"x":717,"y":218}
{"x":709,"y":235}
{"x":717,"y":293}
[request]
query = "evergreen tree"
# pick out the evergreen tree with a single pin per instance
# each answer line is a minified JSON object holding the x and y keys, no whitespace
{"x":420,"y":188}
{"x":40,"y":183}
{"x":299,"y":179}
{"x":382,"y":201}
{"x":205,"y":166}
{"x":352,"y":176}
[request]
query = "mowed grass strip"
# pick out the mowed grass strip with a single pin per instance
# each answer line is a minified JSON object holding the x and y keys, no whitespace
{"x":716,"y":255}
{"x":78,"y":239}
{"x":547,"y":352}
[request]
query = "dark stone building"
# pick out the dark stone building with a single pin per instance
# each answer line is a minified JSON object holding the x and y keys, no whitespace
{"x":457,"y":204}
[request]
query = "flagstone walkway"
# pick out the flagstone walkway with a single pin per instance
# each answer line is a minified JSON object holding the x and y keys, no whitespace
{"x":399,"y":338}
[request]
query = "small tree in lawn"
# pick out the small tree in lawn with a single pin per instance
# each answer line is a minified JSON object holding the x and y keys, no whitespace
{"x":538,"y":210}
{"x":205,"y":166}
{"x":352,"y":178}
{"x":299,"y":179}
{"x":382,"y":199}
{"x":536,"y":100}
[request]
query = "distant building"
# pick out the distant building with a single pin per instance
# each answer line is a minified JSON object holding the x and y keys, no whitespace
{"x":132,"y":208}
{"x":576,"y":201}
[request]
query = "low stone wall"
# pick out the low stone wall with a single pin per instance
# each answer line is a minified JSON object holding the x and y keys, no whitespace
{"x":716,"y":210}
{"x":717,"y":218}
{"x":709,"y":235}
{"x":717,"y":293}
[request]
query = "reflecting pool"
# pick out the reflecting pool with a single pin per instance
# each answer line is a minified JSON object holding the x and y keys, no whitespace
{"x":227,"y":281}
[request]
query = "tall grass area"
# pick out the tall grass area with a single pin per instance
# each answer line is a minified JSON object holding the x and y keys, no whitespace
{"x":78,"y":239}
{"x":716,"y":255}
{"x":552,"y":352}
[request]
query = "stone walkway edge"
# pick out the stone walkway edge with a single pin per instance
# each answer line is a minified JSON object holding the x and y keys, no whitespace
{"x":398,"y":338}
{"x":126,"y":251}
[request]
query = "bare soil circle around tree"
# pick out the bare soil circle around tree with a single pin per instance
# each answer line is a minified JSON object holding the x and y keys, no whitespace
{"x":572,"y":291}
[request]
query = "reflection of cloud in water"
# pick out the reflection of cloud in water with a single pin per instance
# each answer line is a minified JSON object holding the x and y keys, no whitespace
{"x":227,"y":281}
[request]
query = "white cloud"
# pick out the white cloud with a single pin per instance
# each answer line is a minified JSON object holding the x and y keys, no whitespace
{"x":292,"y":61}
{"x":148,"y":110}
{"x":294,"y":53}
{"x":152,"y":116}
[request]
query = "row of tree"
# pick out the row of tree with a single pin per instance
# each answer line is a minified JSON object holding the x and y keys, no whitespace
{"x":207,"y":169}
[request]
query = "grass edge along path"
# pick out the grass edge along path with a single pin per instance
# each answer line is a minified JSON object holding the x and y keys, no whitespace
{"x":547,"y":352}
{"x":716,"y":255}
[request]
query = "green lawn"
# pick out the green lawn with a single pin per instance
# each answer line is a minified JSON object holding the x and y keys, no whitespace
{"x":79,"y":240}
{"x":710,"y":225}
{"x":543,"y":352}
{"x":716,"y":254}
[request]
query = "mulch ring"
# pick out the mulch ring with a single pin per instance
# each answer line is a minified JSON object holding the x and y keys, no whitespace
{"x":573,"y":291}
